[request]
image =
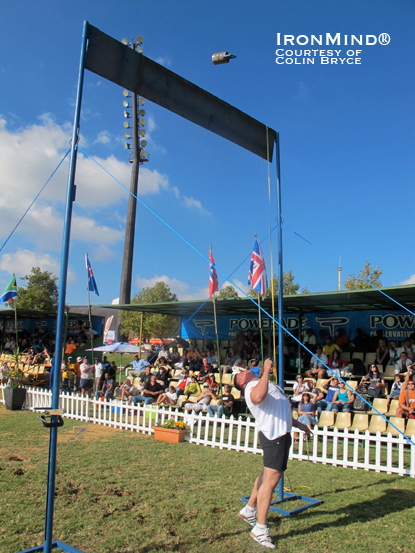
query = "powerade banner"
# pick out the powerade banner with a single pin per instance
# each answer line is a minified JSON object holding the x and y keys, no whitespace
{"x":41,"y":325}
{"x":396,"y":325}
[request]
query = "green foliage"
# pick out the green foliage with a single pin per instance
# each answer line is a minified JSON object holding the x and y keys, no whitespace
{"x":366,"y":277}
{"x":154,"y":325}
{"x":289,"y":286}
{"x":40,"y":292}
{"x":228,"y":292}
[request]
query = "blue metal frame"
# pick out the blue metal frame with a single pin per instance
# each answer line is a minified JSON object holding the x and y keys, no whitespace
{"x":288,"y":496}
{"x":70,"y":198}
{"x":55,"y":544}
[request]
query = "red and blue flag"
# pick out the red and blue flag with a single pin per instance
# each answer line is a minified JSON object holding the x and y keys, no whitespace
{"x":92,"y":285}
{"x":213,"y":277}
{"x":257,"y":278}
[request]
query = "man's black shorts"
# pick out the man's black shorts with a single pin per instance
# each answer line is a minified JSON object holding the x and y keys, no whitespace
{"x":276,"y":451}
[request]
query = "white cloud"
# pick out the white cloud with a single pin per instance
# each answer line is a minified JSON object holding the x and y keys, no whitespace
{"x":191,"y":203}
{"x":181,"y":289}
{"x":22,"y":262}
{"x":240,"y":284}
{"x":164,"y":60}
{"x":103,"y":138}
{"x":410,"y":280}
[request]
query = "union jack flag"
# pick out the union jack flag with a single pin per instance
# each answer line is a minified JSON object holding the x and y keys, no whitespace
{"x":92,"y":285}
{"x":257,"y":278}
{"x":213,"y":277}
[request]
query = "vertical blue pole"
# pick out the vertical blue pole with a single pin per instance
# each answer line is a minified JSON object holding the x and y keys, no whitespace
{"x":280,"y":288}
{"x":70,"y":197}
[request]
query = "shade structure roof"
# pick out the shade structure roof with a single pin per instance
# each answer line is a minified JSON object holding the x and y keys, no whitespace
{"x":348,"y":300}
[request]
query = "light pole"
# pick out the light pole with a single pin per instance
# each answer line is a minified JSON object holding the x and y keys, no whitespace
{"x":139,"y":156}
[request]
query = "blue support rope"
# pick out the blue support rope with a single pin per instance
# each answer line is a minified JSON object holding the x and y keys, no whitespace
{"x":36,"y":197}
{"x":244,"y":293}
{"x":345,"y":266}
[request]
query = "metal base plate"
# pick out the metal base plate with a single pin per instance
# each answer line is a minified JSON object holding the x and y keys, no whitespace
{"x":55,"y":544}
{"x":288,"y":496}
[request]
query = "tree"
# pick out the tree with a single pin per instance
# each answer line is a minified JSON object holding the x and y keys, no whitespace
{"x":40,"y":293}
{"x":228,"y":292}
{"x":366,"y":277}
{"x":154,"y":324}
{"x":289,"y":287}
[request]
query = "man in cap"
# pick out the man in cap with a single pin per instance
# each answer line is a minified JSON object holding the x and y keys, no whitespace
{"x":77,"y":369}
{"x":137,"y":364}
{"x":86,"y":383}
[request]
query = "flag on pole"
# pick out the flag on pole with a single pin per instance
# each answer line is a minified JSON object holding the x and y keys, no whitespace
{"x":10,"y":292}
{"x":213,"y":277}
{"x":92,"y":285}
{"x":257,"y":278}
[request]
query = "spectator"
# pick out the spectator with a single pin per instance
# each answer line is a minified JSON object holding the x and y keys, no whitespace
{"x":332,"y":385}
{"x":382,"y":353}
{"x":67,"y":375}
{"x":310,"y":342}
{"x":409,"y":349}
{"x":402,"y":364}
{"x":342,"y":340}
{"x":127,"y":389}
{"x":107,"y":388}
{"x":163,"y":377}
{"x":307,"y":409}
{"x":361,"y":341}
{"x":70,"y":347}
{"x":193,"y":387}
{"x":77,"y":370}
{"x":86,"y":383}
{"x":329,"y":348}
{"x":227,"y":399}
{"x":376,"y":381}
{"x":343,"y":399}
{"x":393,"y":353}
{"x":150,"y":394}
{"x":203,"y":400}
{"x":317,"y":368}
{"x":137,"y":364}
{"x":299,"y":388}
{"x":256,"y":368}
{"x":98,"y":375}
{"x":396,"y":388}
{"x":407,"y":398}
{"x":169,"y":398}
{"x":336,"y":364}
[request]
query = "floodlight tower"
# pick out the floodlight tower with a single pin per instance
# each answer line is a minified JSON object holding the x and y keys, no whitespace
{"x":136,"y":157}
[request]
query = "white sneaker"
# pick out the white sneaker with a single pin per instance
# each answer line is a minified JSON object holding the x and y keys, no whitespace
{"x":261,"y":536}
{"x":247,"y":516}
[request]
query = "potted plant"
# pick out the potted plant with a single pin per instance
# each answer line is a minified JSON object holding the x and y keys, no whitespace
{"x":170,"y":431}
{"x":14,"y":394}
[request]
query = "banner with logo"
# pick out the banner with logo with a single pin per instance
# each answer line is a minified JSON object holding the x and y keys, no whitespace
{"x":396,"y":325}
{"x":49,"y":324}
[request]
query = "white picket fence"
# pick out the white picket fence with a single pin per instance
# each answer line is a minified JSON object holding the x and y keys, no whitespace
{"x":377,"y":452}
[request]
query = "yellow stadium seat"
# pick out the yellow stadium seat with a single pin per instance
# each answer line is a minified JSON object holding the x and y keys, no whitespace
{"x":360,"y":422}
{"x":343,"y":420}
{"x":399,"y":423}
{"x":381,"y":405}
{"x":394,"y":404}
{"x":377,"y":424}
{"x":326,"y":419}
{"x":410,"y":428}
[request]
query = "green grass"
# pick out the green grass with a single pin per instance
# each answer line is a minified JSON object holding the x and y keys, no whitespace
{"x":123,"y":492}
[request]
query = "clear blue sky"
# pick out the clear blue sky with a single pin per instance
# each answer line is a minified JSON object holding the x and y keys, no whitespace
{"x":346,"y":131}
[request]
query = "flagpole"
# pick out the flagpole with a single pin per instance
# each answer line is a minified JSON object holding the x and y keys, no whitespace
{"x":260,"y":330}
{"x":141,"y":333}
{"x":89,"y":314}
{"x":15,"y":319}
{"x":217,"y":345}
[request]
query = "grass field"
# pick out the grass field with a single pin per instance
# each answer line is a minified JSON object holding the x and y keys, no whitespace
{"x":122,"y":492}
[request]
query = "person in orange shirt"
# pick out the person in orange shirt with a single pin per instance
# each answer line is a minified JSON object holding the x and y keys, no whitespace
{"x":77,"y":369}
{"x":407,"y":397}
{"x":70,"y":347}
